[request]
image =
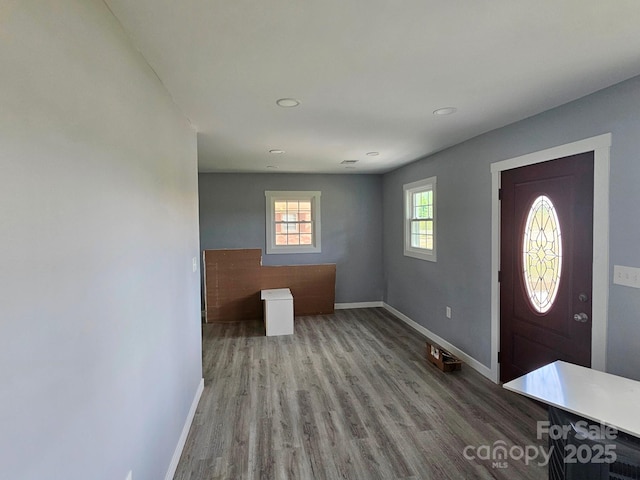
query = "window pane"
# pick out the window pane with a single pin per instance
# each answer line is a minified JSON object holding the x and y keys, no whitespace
{"x":291,"y":221}
{"x":293,"y":217}
{"x":419,"y":227}
{"x":428,"y":197}
{"x":304,"y":206}
{"x":422,"y":205}
{"x":542,"y":254}
{"x":422,"y":234}
{"x":305,"y":228}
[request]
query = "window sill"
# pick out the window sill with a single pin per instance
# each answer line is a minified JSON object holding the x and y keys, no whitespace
{"x":430,"y":257}
{"x":292,"y":250}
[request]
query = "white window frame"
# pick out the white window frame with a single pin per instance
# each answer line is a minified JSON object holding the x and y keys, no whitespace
{"x":272,"y":196}
{"x":409,"y":189}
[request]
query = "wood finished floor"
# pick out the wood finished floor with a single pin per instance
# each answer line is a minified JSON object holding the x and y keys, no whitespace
{"x":349,"y":396}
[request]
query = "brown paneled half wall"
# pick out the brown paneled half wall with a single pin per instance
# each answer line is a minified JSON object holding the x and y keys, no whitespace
{"x":233,"y":280}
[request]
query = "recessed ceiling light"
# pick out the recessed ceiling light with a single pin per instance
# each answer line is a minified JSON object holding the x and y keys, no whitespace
{"x":276,"y":152}
{"x":348,"y":162}
{"x":287,"y":102}
{"x":445,"y":111}
{"x":272,"y":166}
{"x":373,"y":154}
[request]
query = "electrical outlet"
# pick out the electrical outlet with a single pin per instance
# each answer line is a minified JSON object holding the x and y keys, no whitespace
{"x":194,"y":264}
{"x":627,"y":276}
{"x":448,"y":312}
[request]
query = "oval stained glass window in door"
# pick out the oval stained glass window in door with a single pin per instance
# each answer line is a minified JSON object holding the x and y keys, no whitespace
{"x":542,"y":254}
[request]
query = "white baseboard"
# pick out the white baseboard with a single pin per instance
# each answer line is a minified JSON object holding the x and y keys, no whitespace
{"x":469,"y":360}
{"x":185,"y":432}
{"x":344,"y":306}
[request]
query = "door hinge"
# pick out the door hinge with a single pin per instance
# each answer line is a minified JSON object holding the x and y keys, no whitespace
{"x":499,"y":276}
{"x":499,"y":357}
{"x":499,"y":194}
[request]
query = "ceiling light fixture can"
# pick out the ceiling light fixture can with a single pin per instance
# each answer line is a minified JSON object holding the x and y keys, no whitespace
{"x":373,"y":154}
{"x":445,"y":111}
{"x":276,"y":152}
{"x":287,"y":102}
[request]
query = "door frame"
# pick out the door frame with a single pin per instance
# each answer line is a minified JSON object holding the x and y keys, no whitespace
{"x":601,"y":146}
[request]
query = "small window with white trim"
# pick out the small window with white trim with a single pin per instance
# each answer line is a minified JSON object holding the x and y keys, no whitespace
{"x":293,"y":221}
{"x":420,"y":219}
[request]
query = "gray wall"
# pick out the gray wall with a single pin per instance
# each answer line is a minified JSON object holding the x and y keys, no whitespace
{"x":461,"y":277}
{"x":100,"y":353}
{"x":232,"y":215}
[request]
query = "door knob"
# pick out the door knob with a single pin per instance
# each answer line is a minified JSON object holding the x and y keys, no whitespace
{"x":581,"y":317}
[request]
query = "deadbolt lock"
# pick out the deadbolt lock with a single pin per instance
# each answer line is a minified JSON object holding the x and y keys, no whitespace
{"x":581,"y":317}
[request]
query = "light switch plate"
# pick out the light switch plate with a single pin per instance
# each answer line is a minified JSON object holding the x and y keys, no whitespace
{"x":627,"y":276}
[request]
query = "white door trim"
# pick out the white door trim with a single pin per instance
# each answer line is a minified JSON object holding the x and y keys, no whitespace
{"x":601,"y":146}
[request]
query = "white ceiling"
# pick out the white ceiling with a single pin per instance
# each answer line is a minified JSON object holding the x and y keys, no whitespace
{"x":369,"y":73}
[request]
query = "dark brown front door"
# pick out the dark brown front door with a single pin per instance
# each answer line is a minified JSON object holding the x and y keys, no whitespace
{"x":546,"y":256}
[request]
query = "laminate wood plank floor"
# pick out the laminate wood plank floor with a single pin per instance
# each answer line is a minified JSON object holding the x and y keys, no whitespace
{"x":348,"y":396}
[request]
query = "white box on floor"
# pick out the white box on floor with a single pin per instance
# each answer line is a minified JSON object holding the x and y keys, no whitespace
{"x":278,"y":311}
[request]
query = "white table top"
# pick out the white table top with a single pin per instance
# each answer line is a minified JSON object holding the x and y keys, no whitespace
{"x":276,"y":294}
{"x":597,"y":396}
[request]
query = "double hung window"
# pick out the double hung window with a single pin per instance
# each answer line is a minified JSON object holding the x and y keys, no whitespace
{"x":420,"y":219}
{"x":293,"y":222}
